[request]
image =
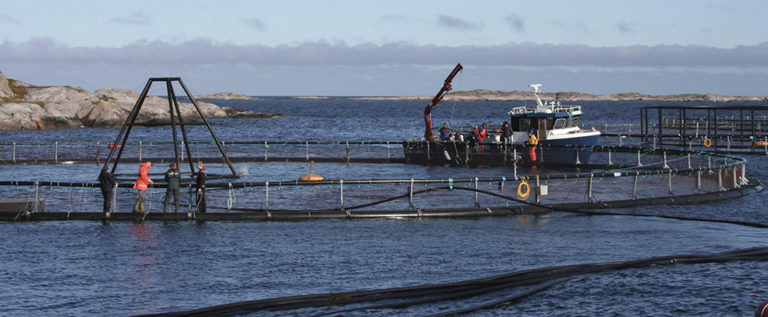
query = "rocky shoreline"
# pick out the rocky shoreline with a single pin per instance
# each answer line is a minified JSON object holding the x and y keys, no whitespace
{"x":28,"y":107}
{"x":498,"y":95}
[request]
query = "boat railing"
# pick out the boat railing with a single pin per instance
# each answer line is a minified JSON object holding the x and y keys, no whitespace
{"x":574,"y":109}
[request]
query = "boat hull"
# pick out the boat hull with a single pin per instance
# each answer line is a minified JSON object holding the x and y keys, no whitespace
{"x":566,"y":151}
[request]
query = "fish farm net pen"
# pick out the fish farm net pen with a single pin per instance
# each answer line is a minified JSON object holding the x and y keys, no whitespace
{"x":531,"y":281}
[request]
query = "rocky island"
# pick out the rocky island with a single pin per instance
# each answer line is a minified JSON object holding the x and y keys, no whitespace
{"x":26,"y":106}
{"x":498,"y":95}
{"x":225,"y":96}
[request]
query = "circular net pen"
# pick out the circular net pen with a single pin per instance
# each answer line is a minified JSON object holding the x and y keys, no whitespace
{"x":616,"y":177}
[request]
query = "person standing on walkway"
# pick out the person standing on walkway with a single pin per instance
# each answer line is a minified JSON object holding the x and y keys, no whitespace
{"x":200,"y":186}
{"x":533,"y":141}
{"x":107,"y":183}
{"x":141,"y":187}
{"x":173,"y":178}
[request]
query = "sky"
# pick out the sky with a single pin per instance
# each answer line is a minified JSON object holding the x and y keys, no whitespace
{"x":389,"y":48}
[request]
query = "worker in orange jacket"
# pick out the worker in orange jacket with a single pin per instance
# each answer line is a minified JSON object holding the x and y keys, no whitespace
{"x":141,"y":186}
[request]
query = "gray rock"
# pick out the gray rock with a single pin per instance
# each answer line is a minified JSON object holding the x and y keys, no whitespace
{"x":70,"y":107}
{"x":225,"y":96}
{"x":5,"y":88}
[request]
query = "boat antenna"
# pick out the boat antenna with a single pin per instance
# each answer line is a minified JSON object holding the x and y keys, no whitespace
{"x":536,"y":89}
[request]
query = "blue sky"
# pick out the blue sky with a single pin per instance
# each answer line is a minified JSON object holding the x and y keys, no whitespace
{"x":390,"y":47}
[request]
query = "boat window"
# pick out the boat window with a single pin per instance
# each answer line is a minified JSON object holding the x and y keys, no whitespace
{"x":560,"y":123}
{"x":524,"y":125}
{"x":549,"y":123}
{"x":574,"y":122}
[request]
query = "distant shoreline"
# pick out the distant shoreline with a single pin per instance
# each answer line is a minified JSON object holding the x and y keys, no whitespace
{"x":497,"y":95}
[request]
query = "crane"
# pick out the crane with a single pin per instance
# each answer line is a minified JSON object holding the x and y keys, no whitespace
{"x":438,"y":97}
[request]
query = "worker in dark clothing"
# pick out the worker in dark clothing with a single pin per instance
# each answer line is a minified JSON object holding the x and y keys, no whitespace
{"x":445,"y":133}
{"x":506,"y":134}
{"x":107,"y":182}
{"x":200,"y":186}
{"x":173,"y":178}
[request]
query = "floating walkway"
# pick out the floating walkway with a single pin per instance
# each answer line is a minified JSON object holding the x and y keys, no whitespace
{"x":616,"y":177}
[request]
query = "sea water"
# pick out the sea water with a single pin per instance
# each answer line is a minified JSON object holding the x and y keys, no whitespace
{"x":80,"y":268}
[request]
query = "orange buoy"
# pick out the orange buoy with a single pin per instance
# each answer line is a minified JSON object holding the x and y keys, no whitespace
{"x":761,"y":143}
{"x":311,"y":177}
{"x":112,"y":145}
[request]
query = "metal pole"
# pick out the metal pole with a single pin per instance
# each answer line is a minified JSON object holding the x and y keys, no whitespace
{"x":638,"y":159}
{"x":347,"y":151}
{"x":114,"y":199}
{"x":536,"y":192}
{"x":665,"y":160}
{"x":139,"y":150}
{"x":213,"y":134}
{"x":266,"y":147}
{"x":669,"y":184}
{"x":36,"y":205}
{"x":735,"y":178}
{"x":477,"y":196}
{"x":266,"y":196}
{"x":589,"y":189}
{"x":698,"y":181}
{"x":720,"y":179}
{"x":428,"y":154}
{"x":610,"y":162}
{"x":634,"y":187}
{"x":97,"y":152}
{"x":14,"y":152}
{"x":410,"y":195}
{"x":173,"y":125}
{"x":307,"y":144}
{"x":56,"y":152}
{"x":689,"y":160}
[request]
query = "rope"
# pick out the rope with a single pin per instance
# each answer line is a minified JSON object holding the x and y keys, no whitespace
{"x":401,"y":297}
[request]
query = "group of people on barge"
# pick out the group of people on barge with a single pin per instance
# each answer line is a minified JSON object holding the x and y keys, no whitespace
{"x":108,"y":184}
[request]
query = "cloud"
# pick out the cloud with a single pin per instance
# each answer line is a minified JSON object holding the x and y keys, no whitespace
{"x":626,"y":27}
{"x":256,"y":24}
{"x":456,"y":23}
{"x":204,"y":51}
{"x":136,"y":18}
{"x":7,"y":19}
{"x":515,"y":22}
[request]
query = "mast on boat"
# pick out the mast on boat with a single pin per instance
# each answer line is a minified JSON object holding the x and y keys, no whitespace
{"x":436,"y":100}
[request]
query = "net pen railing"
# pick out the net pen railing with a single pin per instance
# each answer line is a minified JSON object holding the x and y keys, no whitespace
{"x":625,"y":174}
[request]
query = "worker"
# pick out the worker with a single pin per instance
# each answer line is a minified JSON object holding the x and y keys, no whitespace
{"x":483,"y":132}
{"x":445,"y":133}
{"x":506,"y":134}
{"x":200,"y":188}
{"x":533,"y":141}
{"x":107,"y":183}
{"x":141,"y":187}
{"x":173,"y":178}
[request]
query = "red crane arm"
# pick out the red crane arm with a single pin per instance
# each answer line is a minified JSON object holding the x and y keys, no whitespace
{"x":438,"y":97}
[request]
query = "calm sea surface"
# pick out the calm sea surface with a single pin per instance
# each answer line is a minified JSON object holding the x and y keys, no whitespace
{"x":75,"y":268}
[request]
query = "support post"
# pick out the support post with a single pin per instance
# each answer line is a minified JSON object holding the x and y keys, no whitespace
{"x":610,"y":162}
{"x":139,"y":151}
{"x":477,"y":196}
{"x":114,"y":200}
{"x":720,"y":180}
{"x":266,"y":196}
{"x":428,"y":152}
{"x":634,"y":186}
{"x":665,"y":160}
{"x":589,"y":189}
{"x":735,"y":178}
{"x":698,"y":181}
{"x":638,"y":159}
{"x":689,"y":160}
{"x":669,"y":183}
{"x":410,"y":196}
{"x":56,"y":152}
{"x":266,"y":149}
{"x":97,"y":152}
{"x":537,"y":198}
{"x":307,"y":145}
{"x":347,"y":151}
{"x":13,"y":156}
{"x":36,"y":205}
